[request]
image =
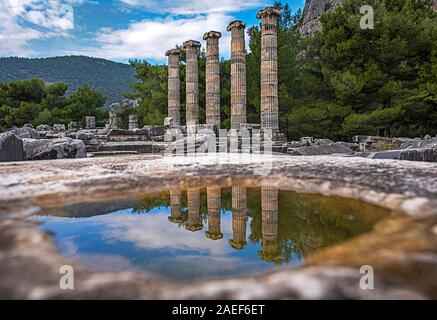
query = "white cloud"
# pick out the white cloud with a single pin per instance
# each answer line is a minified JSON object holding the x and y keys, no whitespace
{"x":183,"y":20}
{"x":152,"y":38}
{"x":24,"y":20}
{"x":181,"y":7}
{"x":174,"y":22}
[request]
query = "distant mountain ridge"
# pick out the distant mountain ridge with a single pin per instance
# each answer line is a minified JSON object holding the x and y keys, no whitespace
{"x":112,"y":79}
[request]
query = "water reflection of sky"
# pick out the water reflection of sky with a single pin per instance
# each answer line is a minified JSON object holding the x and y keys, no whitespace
{"x":128,"y":240}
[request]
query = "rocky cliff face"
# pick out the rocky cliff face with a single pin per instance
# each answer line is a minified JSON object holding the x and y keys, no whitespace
{"x":312,"y":12}
{"x":315,"y":8}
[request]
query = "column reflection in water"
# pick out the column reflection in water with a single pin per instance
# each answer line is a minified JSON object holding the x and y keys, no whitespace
{"x":270,"y":240}
{"x":175,"y":206}
{"x":213,"y":195}
{"x":239,"y":217}
{"x":194,"y":222}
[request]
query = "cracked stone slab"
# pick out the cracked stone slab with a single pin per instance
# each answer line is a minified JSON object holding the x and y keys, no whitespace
{"x":410,"y":187}
{"x":402,"y":248}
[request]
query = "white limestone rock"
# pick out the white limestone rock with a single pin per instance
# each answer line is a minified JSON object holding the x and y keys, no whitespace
{"x":26,"y":132}
{"x":54,"y":149}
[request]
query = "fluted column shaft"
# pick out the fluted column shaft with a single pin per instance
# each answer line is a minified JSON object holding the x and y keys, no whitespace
{"x":238,"y":74}
{"x":212,"y":74}
{"x":239,"y":217}
{"x":213,"y":195}
{"x":269,"y":68}
{"x":175,"y":206}
{"x":194,"y":222}
{"x":174,"y":93}
{"x":270,"y":238}
{"x":192,"y":82}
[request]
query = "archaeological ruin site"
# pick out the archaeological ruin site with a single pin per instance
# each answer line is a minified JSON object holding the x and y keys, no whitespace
{"x":193,"y":209}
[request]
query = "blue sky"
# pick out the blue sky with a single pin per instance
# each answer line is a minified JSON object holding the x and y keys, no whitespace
{"x":118,"y":30}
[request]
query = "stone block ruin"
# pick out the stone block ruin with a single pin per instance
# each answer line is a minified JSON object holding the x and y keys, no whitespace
{"x":243,"y":137}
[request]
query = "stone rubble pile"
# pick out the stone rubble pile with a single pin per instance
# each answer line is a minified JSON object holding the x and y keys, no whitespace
{"x":45,"y":149}
{"x":371,"y":147}
{"x":11,"y":147}
{"x":27,"y":143}
{"x":310,"y":147}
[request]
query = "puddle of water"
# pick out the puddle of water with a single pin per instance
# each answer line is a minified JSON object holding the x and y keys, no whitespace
{"x":206,"y":233}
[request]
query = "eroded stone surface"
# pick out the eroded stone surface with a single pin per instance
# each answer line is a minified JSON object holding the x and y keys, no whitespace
{"x":26,"y":132}
{"x":398,"y":247}
{"x":64,"y":148}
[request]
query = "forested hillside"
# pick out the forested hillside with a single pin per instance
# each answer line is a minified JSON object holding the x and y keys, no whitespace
{"x":34,"y":102}
{"x":110,"y":78}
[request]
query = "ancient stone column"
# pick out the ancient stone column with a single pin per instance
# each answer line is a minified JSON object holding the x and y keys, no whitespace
{"x":239,"y":217}
{"x":192,"y":84}
{"x":113,"y":121}
{"x":90,"y":122}
{"x":175,"y":206}
{"x":269,"y":68}
{"x":133,"y":122}
{"x":270,"y":239}
{"x":212,"y":75}
{"x":174,"y":90}
{"x":194,"y":222}
{"x":238,"y":74}
{"x":213,"y":195}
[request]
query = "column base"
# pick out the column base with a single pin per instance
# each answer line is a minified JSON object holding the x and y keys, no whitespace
{"x":194,"y":228}
{"x":175,"y":220}
{"x":214,"y":235}
{"x":269,"y":258}
{"x":237,"y":245}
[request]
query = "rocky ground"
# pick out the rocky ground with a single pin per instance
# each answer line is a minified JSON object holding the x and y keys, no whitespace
{"x":56,"y":142}
{"x":371,"y":147}
{"x":402,"y":248}
{"x":26,"y":143}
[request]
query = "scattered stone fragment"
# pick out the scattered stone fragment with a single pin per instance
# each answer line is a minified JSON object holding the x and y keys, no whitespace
{"x":352,"y":146}
{"x":26,"y":132}
{"x":43,"y":127}
{"x":325,"y":149}
{"x":133,"y":122}
{"x":418,"y":154}
{"x":168,"y":121}
{"x":392,"y":154}
{"x":415,"y":143}
{"x":11,"y":147}
{"x":90,"y":122}
{"x":54,"y":149}
{"x":323,"y":141}
{"x":306,"y":141}
{"x":58,"y":128}
{"x":84,"y":135}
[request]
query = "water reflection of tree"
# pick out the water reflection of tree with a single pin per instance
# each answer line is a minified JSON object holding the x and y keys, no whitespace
{"x":149,"y":202}
{"x":310,"y":222}
{"x":306,"y":222}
